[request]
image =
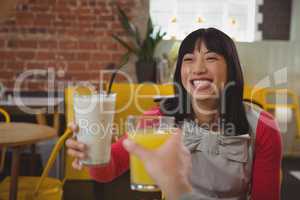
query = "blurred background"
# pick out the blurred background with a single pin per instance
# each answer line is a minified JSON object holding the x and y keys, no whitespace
{"x":70,"y":41}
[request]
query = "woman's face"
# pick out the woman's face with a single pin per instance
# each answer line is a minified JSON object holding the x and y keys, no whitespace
{"x":203,"y":73}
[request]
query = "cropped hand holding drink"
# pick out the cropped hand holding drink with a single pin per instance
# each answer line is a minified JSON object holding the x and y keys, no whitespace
{"x":168,"y":165}
{"x":149,"y":132}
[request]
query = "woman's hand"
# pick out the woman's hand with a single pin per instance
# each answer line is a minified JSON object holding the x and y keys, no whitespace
{"x":75,"y":149}
{"x":168,"y":165}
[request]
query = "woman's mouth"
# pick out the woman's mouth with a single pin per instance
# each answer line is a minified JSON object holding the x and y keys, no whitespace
{"x":201,"y":84}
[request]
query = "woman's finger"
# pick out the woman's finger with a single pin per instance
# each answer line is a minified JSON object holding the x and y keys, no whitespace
{"x":136,"y":149}
{"x":76,"y":154}
{"x":73,"y":127}
{"x":76,"y":164}
{"x":73,"y":144}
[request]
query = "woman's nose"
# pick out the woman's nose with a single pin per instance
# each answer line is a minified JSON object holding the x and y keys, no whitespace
{"x":199,"y":66}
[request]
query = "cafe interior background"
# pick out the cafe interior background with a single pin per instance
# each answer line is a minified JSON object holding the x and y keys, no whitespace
{"x":72,"y":39}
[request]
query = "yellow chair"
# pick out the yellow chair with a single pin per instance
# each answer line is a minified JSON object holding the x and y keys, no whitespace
{"x":4,"y":149}
{"x":39,"y":188}
{"x":132,"y":99}
{"x":254,"y":94}
{"x":293,"y":104}
{"x":135,"y":99}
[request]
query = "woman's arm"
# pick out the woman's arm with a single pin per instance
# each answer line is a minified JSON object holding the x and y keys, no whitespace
{"x":267,"y":160}
{"x":119,"y":163}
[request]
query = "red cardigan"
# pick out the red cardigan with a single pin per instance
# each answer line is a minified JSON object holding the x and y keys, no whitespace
{"x":266,"y":166}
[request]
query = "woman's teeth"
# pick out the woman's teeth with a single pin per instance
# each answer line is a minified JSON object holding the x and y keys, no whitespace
{"x":201,"y":83}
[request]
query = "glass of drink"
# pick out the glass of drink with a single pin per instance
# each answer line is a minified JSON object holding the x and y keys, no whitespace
{"x":149,"y":132}
{"x":94,"y":115}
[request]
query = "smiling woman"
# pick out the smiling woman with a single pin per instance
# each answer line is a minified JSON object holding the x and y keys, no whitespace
{"x":208,"y":58}
{"x":222,"y":132}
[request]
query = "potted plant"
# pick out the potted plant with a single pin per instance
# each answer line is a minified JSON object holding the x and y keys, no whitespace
{"x":143,"y":48}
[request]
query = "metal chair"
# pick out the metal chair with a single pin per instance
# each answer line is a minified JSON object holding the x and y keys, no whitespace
{"x":43,"y":187}
{"x":4,"y":149}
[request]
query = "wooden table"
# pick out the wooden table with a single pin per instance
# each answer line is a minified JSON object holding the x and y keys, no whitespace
{"x":16,"y":136}
{"x":43,"y":106}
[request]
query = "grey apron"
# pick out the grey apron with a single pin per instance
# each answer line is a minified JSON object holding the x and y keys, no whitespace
{"x":221,"y":165}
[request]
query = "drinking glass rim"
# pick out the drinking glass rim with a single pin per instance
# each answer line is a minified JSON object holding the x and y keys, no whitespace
{"x":150,"y":117}
{"x":95,"y":94}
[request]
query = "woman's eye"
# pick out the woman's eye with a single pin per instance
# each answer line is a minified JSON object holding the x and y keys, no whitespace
{"x":187,"y":59}
{"x":211,"y":58}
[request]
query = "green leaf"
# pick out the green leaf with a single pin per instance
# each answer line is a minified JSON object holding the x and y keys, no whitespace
{"x":143,"y":48}
{"x":124,"y":60}
{"x":125,"y":21}
{"x":149,"y":28}
{"x":129,"y":27}
{"x":124,"y":44}
{"x":138,"y":37}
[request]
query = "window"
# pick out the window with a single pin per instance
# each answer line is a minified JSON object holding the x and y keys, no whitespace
{"x":237,"y":18}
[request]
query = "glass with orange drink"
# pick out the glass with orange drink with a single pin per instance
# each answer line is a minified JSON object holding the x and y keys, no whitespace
{"x":150,"y":132}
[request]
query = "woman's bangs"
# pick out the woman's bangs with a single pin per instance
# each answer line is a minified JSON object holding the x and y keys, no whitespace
{"x":214,"y":43}
{"x":189,"y":46}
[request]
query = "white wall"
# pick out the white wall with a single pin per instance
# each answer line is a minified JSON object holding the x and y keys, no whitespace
{"x":295,"y":25}
{"x":263,"y":59}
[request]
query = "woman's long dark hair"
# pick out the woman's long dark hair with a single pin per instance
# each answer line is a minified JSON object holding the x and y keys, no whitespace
{"x":231,"y":101}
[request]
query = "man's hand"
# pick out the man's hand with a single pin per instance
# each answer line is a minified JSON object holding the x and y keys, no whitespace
{"x":168,"y":165}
